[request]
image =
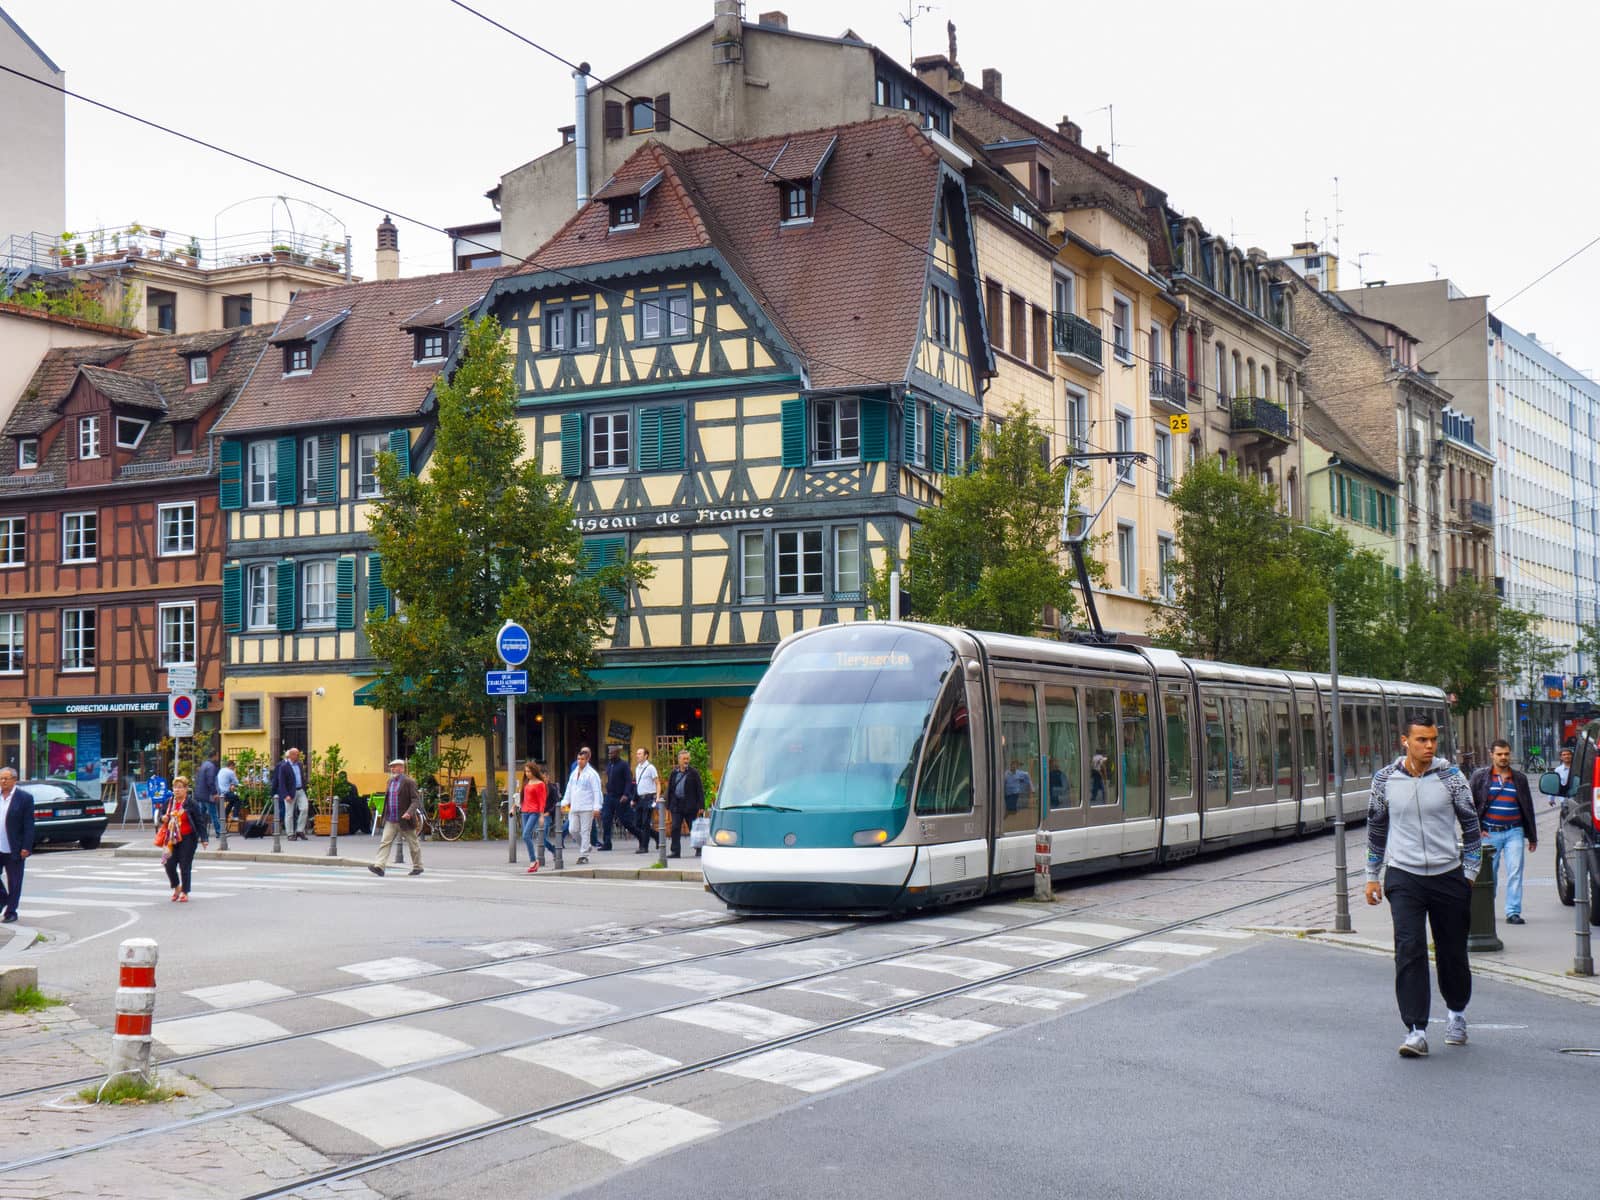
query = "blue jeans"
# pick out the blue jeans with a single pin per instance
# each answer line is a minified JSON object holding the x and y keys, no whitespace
{"x":530,"y":833}
{"x":214,"y":807}
{"x":1509,"y":846}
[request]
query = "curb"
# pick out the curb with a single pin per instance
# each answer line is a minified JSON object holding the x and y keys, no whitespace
{"x":299,"y":860}
{"x":670,"y":874}
{"x":22,"y":940}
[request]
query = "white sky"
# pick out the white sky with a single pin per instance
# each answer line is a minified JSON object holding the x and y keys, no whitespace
{"x":1462,"y":133}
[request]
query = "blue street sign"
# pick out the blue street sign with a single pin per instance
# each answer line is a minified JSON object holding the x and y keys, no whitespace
{"x":512,"y":643}
{"x":506,"y":683}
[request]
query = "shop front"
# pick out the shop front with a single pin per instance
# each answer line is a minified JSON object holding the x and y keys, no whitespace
{"x":100,"y":743}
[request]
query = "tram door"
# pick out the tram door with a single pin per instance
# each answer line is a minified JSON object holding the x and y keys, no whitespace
{"x":1065,"y":799}
{"x":1313,"y":795}
{"x":1021,"y":767}
{"x":1102,"y":747}
{"x":1286,"y":809}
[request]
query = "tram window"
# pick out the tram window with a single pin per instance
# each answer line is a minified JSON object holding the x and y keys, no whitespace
{"x":1019,"y":741}
{"x":1063,"y":748}
{"x":945,"y":785}
{"x":1283,"y":751}
{"x":1135,"y":754}
{"x":1363,"y":742}
{"x":1347,"y":734}
{"x":1308,"y":749}
{"x":1380,"y":749}
{"x":1238,"y":749}
{"x":1216,"y":753}
{"x":1261,"y":735}
{"x":1100,"y":712}
{"x":1180,"y":763}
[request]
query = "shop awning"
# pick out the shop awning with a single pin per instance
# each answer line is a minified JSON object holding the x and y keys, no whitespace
{"x":366,"y":696}
{"x":647,"y":681}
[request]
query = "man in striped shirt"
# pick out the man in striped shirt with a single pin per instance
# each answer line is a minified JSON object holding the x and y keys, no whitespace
{"x":1505,"y":810}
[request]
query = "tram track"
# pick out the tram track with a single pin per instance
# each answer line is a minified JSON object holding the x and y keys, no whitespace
{"x":429,"y":1146}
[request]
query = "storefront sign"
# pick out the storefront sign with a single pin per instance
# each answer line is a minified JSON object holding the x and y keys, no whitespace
{"x":98,"y":708}
{"x":681,"y":518}
{"x":618,"y":731}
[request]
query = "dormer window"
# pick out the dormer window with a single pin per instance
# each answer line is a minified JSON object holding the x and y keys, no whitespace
{"x":624,"y":212}
{"x":183,"y":437}
{"x":430,"y":345}
{"x":130,"y":432}
{"x":88,"y":437}
{"x":297,"y":358}
{"x":27,"y":453}
{"x":796,"y":201}
{"x":199,"y":369}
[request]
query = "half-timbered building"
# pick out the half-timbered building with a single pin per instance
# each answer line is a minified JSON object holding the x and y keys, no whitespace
{"x":755,"y":366}
{"x":347,"y":375}
{"x":111,"y":549}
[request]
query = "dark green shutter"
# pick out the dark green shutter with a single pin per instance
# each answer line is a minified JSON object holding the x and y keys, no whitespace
{"x":288,"y":477}
{"x":400,"y":447}
{"x":597,"y":554}
{"x":344,"y":594}
{"x":974,"y":445}
{"x":908,"y":430}
{"x":936,"y":440}
{"x":874,"y":431}
{"x":233,"y":599}
{"x":794,"y":432}
{"x":379,"y":598}
{"x":572,"y":445}
{"x":672,"y":450}
{"x":288,"y":594}
{"x":231,"y":458}
{"x":328,"y":468}
{"x":649,"y":439}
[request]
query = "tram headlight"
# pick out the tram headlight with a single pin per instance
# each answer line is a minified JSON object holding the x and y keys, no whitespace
{"x":870,"y":837}
{"x":725,"y":837}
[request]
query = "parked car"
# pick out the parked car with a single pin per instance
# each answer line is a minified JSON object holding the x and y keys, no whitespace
{"x":1580,"y":818}
{"x":64,"y":812}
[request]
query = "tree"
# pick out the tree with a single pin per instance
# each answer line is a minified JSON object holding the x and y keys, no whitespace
{"x":483,"y":537}
{"x":989,"y":556}
{"x":1529,"y":655}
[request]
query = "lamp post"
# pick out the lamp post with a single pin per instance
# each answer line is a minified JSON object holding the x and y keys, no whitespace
{"x":1341,"y":867}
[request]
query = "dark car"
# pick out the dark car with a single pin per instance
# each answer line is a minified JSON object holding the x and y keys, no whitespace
{"x":1580,"y":818}
{"x":64,"y":812}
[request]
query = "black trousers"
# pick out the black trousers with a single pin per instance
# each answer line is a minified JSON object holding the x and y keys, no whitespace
{"x":1444,"y":903}
{"x":11,"y":891}
{"x":678,"y":822}
{"x":644,"y":816}
{"x":180,"y":863}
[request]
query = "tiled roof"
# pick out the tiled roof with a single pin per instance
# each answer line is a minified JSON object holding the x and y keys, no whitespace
{"x":366,"y":370}
{"x":799,"y":155}
{"x":669,"y":222}
{"x":1321,"y":428}
{"x":120,"y":387}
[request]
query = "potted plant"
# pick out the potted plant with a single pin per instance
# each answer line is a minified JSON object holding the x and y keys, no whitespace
{"x":324,"y":775}
{"x":80,"y":254}
{"x":280,"y":253}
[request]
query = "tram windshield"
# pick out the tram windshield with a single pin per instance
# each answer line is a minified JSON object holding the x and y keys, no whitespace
{"x":838,"y":722}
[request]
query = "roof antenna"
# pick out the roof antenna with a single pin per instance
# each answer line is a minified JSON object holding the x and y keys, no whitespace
{"x":1111,"y":116}
{"x":913,"y":11}
{"x":1338,"y":217}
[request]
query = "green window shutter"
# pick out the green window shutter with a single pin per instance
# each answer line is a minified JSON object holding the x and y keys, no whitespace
{"x":649,"y":457}
{"x":288,"y":594}
{"x":908,"y":430}
{"x":874,"y":431}
{"x":328,"y":468}
{"x":936,"y":441}
{"x":973,"y":446}
{"x":344,"y":594}
{"x":233,"y":599}
{"x":572,"y":445}
{"x":1333,"y":491}
{"x":794,"y":433}
{"x":231,"y":459}
{"x":1372,"y":507}
{"x":599,"y":553}
{"x":400,"y":447}
{"x":288,"y":480}
{"x":379,"y":598}
{"x":673,"y":457}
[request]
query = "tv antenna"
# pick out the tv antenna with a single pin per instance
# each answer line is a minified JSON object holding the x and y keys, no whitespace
{"x":1338,"y":217}
{"x":913,"y":11}
{"x":1111,"y":118}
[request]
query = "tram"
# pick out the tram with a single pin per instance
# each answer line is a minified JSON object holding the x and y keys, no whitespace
{"x":886,"y":766}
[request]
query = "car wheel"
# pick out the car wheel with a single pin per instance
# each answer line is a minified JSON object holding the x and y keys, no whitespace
{"x":1564,"y":890}
{"x":90,"y":843}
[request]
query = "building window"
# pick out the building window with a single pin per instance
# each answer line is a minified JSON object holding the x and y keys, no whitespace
{"x":641,"y":116}
{"x":13,"y":541}
{"x":1064,"y":293}
{"x":884,"y":94}
{"x":183,"y":437}
{"x":1122,"y":328}
{"x":992,"y":301}
{"x":955,"y":455}
{"x":942,"y":329}
{"x":237,"y":310}
{"x":296,"y":359}
{"x":89,"y":437}
{"x":568,"y":327}
{"x":1124,"y":427}
{"x":247,"y":712}
{"x":799,"y":562}
{"x":130,"y":432}
{"x":1166,"y":552}
{"x":918,"y":415}
{"x":1127,"y":564}
{"x":1018,"y":320}
{"x":12,"y":626}
{"x":318,"y":580}
{"x":753,"y":565}
{"x":199,"y":369}
{"x":1077,"y":419}
{"x":837,"y":427}
{"x":368,"y":447}
{"x":1041,"y":340}
{"x":177,"y":635}
{"x":262,"y":597}
{"x":77,"y":639}
{"x":79,"y":537}
{"x":163,"y":307}
{"x":608,"y":442}
{"x":1163,"y":463}
{"x":847,"y":561}
{"x":430,"y":345}
{"x":624,"y":212}
{"x":176,"y":528}
{"x":262,"y":474}
{"x":310,"y":469}
{"x":27,"y":453}
{"x":663,"y":314}
{"x":796,"y":202}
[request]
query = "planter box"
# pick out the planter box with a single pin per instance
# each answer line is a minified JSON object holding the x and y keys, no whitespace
{"x":321,"y":822}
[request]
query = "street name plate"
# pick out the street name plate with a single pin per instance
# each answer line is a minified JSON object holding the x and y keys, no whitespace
{"x":506,"y":683}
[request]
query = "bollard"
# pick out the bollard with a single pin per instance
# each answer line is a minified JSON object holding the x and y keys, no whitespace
{"x":1042,"y":889}
{"x":136,"y":1006}
{"x":661,"y":832}
{"x":277,"y":833}
{"x":1481,"y":933}
{"x":333,"y":829}
{"x":1582,"y":959}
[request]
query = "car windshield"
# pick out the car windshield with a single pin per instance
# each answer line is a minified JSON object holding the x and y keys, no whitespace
{"x":837,"y":722}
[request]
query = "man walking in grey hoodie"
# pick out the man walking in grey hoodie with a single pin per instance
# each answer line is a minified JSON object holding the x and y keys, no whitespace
{"x":1418,"y":801}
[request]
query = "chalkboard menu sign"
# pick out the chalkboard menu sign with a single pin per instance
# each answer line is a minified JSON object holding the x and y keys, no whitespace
{"x":617,"y":731}
{"x":461,"y":790}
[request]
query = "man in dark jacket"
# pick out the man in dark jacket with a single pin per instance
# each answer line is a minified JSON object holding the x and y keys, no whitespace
{"x":615,"y":807}
{"x":402,"y":813}
{"x":16,"y":841}
{"x":289,"y":785}
{"x":686,"y":798}
{"x":1504,"y":802}
{"x":205,"y":791}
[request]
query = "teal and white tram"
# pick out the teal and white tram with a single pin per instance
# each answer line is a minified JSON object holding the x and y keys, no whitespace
{"x":885,"y":766}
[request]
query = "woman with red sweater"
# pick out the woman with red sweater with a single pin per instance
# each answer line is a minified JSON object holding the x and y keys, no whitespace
{"x":533,"y":806}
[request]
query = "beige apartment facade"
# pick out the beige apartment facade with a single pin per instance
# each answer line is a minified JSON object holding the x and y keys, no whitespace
{"x":33,"y":139}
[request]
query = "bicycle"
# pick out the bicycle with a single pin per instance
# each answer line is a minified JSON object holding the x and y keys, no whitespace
{"x":1534,"y":763}
{"x":443,"y":816}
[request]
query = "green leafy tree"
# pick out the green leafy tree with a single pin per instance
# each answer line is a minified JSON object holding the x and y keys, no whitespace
{"x":483,"y":536}
{"x":989,"y":556}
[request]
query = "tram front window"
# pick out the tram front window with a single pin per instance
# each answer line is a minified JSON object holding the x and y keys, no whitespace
{"x":838,"y":722}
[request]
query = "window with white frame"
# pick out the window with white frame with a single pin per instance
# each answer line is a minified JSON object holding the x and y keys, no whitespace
{"x":1064,"y":293}
{"x":1124,"y":428}
{"x":175,"y":527}
{"x":847,"y":560}
{"x":89,"y":437}
{"x":13,"y":625}
{"x":1077,"y":419}
{"x":199,"y":369}
{"x":13,"y":541}
{"x":569,"y":326}
{"x":1164,"y":479}
{"x":752,"y":565}
{"x":1122,"y":328}
{"x":261,"y":600}
{"x":608,"y":442}
{"x":955,"y":458}
{"x":1223,"y":391}
{"x":1167,"y":553}
{"x":1158,"y":337}
{"x":27,"y":453}
{"x":430,"y":345}
{"x":368,"y":447}
{"x":663,"y":314}
{"x":130,"y":432}
{"x":1127,"y":563}
{"x":310,"y":468}
{"x":799,"y":562}
{"x":77,"y":639}
{"x":942,"y":319}
{"x":261,"y":474}
{"x":177,"y":635}
{"x":836,"y":430}
{"x":80,"y":537}
{"x":919,"y":435}
{"x":318,"y":583}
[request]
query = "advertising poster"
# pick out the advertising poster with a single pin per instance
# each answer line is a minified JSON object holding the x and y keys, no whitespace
{"x":61,"y":747}
{"x":88,"y":751}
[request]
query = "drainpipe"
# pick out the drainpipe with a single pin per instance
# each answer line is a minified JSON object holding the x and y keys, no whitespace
{"x":580,"y":130}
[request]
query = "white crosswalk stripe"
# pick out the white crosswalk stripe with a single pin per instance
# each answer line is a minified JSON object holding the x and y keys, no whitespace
{"x":953,"y":964}
{"x":1036,"y":946}
{"x":214,"y":1031}
{"x":378,"y":969}
{"x":957,"y":924}
{"x":630,"y":1127}
{"x":739,"y":936}
{"x":1186,"y":949}
{"x":1028,"y":997}
{"x":1090,"y":929}
{"x":510,"y":949}
{"x":233,"y":995}
{"x":1124,"y":972}
{"x":800,"y":1069}
{"x":393,"y":1112}
{"x":147,"y":892}
{"x":40,"y":914}
{"x":1232,"y":935}
{"x":84,"y":902}
{"x":393,"y":1044}
{"x":813,"y":957}
{"x":694,"y":979}
{"x":742,"y":1020}
{"x":528,"y":974}
{"x":646,"y":954}
{"x":935,"y":1030}
{"x":867,"y":992}
{"x":595,"y":1060}
{"x":558,"y":1008}
{"x":385,"y":1000}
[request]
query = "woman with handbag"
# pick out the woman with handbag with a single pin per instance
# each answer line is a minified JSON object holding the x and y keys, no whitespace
{"x":182,"y":832}
{"x":534,"y":792}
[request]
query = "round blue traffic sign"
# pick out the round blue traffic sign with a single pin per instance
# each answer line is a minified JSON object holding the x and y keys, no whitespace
{"x":512,"y":643}
{"x":182,"y":707}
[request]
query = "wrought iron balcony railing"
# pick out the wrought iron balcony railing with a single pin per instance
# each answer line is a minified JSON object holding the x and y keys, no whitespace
{"x":1253,"y":414}
{"x":1168,"y":386}
{"x":1077,"y":337}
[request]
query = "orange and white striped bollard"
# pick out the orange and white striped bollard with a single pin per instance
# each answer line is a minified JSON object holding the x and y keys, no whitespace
{"x":136,"y":1006}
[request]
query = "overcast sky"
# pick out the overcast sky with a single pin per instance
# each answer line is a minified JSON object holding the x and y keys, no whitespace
{"x":1462,"y":134}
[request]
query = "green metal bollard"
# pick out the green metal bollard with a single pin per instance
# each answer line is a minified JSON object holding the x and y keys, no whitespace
{"x":1480,"y":934}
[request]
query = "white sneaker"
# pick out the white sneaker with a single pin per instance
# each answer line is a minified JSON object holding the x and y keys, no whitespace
{"x":1415,"y":1045}
{"x":1455,"y":1030}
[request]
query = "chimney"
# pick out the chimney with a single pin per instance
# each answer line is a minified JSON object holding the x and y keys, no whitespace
{"x":991,"y":83}
{"x":1070,"y":130}
{"x":727,"y":33}
{"x":774,"y":19}
{"x":388,"y":250}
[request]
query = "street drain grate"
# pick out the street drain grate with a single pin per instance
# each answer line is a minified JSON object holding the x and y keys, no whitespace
{"x":1582,"y":1051}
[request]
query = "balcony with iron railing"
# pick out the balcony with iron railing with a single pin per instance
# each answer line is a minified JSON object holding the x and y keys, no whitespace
{"x":1260,"y":416}
{"x":1169,"y":386}
{"x":1479,"y":514}
{"x":40,"y":253}
{"x":1078,"y":339}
